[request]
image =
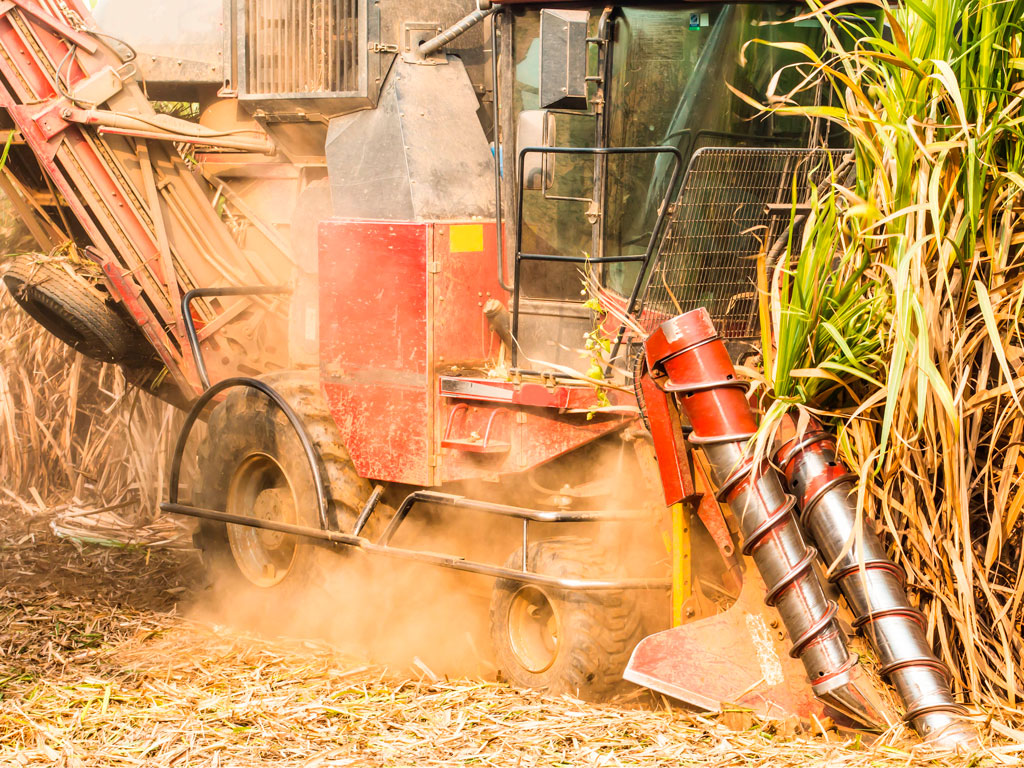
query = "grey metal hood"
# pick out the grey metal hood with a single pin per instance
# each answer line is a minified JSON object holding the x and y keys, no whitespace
{"x":420,"y":155}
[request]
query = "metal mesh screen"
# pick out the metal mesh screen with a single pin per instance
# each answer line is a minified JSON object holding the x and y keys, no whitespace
{"x":728,"y":202}
{"x":302,"y":46}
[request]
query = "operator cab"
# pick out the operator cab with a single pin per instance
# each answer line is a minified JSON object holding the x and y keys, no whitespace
{"x":684,"y":182}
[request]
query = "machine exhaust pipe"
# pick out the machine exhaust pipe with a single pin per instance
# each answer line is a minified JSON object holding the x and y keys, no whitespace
{"x":872,"y":584}
{"x":692,"y":362}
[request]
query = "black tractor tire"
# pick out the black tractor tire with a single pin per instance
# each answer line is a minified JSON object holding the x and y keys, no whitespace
{"x":595,"y":632}
{"x":247,"y":424}
{"x":79,"y":314}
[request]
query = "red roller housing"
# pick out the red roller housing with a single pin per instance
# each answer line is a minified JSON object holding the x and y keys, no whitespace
{"x":691,"y":362}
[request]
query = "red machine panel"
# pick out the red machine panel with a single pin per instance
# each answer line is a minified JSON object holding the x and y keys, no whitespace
{"x":406,"y":353}
{"x":485,"y":430}
{"x":466,"y":261}
{"x":374,"y":342}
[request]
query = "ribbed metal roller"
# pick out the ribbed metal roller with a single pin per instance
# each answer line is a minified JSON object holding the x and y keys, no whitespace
{"x":873,"y":585}
{"x":691,"y":361}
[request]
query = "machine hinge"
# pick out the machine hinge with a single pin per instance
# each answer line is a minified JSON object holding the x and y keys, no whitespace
{"x":433,"y":267}
{"x":382,"y":48}
{"x":433,"y":460}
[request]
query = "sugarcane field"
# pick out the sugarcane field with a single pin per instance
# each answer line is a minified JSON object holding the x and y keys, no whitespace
{"x":511,"y":383}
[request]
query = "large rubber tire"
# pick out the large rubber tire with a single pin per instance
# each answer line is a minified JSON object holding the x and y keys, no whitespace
{"x":249,"y":424}
{"x":596,"y":631}
{"x":79,"y":314}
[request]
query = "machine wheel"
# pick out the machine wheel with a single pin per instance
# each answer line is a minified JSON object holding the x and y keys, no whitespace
{"x":74,"y":311}
{"x":558,"y":641}
{"x":252,"y":463}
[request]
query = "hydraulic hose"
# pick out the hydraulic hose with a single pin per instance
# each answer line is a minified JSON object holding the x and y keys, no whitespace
{"x":873,"y":585}
{"x":690,"y":361}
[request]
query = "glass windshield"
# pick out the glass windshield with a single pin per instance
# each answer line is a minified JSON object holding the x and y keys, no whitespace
{"x":554,"y":220}
{"x":672,"y":69}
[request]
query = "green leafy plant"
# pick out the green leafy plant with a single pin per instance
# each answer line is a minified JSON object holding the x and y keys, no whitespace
{"x":898,"y":314}
{"x":597,"y":345}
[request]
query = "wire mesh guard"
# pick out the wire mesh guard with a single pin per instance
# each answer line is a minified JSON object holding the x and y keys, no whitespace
{"x":733,"y":202}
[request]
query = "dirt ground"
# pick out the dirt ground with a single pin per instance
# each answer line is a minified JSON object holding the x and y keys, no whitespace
{"x":98,"y":667}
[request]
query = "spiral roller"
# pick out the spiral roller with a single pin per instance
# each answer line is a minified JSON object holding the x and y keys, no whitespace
{"x":692,"y":362}
{"x":872,"y":584}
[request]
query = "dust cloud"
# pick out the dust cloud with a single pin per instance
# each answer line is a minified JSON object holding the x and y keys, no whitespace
{"x":411,"y":617}
{"x":433,"y":622}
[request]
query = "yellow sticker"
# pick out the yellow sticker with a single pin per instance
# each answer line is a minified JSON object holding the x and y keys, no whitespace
{"x":466,"y":238}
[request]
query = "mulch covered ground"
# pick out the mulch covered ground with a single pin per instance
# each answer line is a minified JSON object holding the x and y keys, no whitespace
{"x":99,"y":668}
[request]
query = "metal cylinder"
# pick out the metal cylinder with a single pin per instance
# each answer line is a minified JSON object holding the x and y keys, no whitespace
{"x":690,"y":360}
{"x":873,"y":585}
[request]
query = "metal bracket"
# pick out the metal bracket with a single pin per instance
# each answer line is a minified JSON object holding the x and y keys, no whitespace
{"x":682,"y":562}
{"x":51,"y":120}
{"x":368,"y":508}
{"x":98,"y":88}
{"x":414,"y":34}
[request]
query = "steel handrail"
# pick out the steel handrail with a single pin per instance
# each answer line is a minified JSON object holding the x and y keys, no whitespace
{"x":418,"y":556}
{"x":648,"y":254}
{"x":244,"y":381}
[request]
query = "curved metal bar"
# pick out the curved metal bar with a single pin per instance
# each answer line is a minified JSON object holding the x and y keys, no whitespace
{"x":300,"y":430}
{"x":815,"y":631}
{"x":693,"y":389}
{"x":431,"y":558}
{"x":490,"y":422}
{"x":772,"y":598}
{"x":817,"y":494}
{"x":776,"y":519}
{"x":916,"y":661}
{"x":469,"y":21}
{"x":913,"y":714}
{"x":190,"y":324}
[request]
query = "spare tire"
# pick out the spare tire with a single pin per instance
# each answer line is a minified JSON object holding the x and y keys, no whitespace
{"x":75,"y":311}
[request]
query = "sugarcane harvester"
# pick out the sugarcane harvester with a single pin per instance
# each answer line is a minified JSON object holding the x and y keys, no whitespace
{"x":364,"y":243}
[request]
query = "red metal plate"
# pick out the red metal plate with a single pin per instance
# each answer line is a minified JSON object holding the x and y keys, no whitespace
{"x":733,"y":659}
{"x":401,"y":303}
{"x":374,"y":342}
